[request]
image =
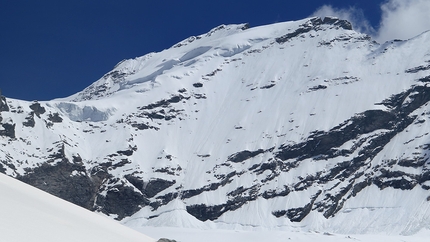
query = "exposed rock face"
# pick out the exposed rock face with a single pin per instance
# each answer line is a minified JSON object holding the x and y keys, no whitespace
{"x":122,"y":201}
{"x":324,"y":146}
{"x":8,"y":130}
{"x":315,"y":24}
{"x":29,"y":120}
{"x":66,"y":180}
{"x":3,"y":104}
{"x":37,"y":109}
{"x":166,"y":240}
{"x":70,"y":181}
{"x":55,"y":118}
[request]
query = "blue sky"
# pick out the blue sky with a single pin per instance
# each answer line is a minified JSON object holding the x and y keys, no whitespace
{"x":51,"y":49}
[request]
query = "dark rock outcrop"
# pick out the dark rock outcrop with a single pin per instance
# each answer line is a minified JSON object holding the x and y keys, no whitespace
{"x":66,"y":180}
{"x":3,"y":104}
{"x":55,"y":118}
{"x":244,"y":155}
{"x":121,"y":200}
{"x":29,"y":120}
{"x":315,"y":24}
{"x":418,"y":69}
{"x":164,"y":103}
{"x":8,"y":130}
{"x":166,"y":240}
{"x":37,"y":109}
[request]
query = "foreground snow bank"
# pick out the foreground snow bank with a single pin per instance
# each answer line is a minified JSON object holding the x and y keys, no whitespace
{"x":28,"y":214}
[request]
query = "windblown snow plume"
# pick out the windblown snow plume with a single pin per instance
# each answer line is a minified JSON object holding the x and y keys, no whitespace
{"x":401,"y":19}
{"x":404,"y":19}
{"x":352,"y":14}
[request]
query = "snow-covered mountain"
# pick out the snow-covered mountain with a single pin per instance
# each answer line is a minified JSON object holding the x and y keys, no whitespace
{"x":306,"y":124}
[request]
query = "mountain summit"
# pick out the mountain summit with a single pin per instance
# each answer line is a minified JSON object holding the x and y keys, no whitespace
{"x":304,"y":124}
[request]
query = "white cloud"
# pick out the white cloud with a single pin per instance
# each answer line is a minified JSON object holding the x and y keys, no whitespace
{"x":401,"y":19}
{"x":353,"y":15}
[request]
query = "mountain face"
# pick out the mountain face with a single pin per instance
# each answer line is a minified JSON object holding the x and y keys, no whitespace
{"x":305,"y":124}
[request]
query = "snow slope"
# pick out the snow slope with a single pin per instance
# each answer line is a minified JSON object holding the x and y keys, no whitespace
{"x":305,"y":124}
{"x":297,"y":235}
{"x":28,"y":214}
